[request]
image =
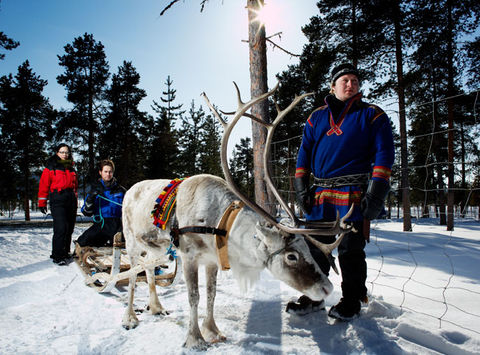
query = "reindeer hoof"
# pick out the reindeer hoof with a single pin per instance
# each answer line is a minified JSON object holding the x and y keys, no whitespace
{"x":158,"y":311}
{"x":218,"y":339}
{"x":162,"y":312}
{"x":195,"y":344}
{"x":130,"y":322}
{"x":213,"y":335}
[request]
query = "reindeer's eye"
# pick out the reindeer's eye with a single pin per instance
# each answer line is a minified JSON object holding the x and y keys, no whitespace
{"x":291,"y":258}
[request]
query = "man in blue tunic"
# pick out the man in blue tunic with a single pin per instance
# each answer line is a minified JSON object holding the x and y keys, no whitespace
{"x":347,"y":146}
{"x":104,"y":203}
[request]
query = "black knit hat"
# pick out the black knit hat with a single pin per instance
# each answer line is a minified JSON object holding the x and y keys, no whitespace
{"x":342,"y":69}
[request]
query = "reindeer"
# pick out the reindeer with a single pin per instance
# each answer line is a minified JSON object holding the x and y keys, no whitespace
{"x":255,"y":239}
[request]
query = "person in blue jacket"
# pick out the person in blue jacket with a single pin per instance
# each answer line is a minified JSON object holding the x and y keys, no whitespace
{"x":104,"y":203}
{"x":347,"y":146}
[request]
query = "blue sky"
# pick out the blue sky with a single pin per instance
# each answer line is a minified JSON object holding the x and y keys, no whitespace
{"x":202,"y":52}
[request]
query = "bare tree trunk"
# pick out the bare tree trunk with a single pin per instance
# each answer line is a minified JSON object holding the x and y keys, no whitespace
{"x":25,"y":168}
{"x":258,"y":86}
{"x":91,"y":138}
{"x":463,"y":203}
{"x":450,"y":89}
{"x":405,"y":184}
{"x":26,"y":204}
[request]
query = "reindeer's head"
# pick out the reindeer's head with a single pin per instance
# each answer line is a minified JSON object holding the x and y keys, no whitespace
{"x":289,"y":258}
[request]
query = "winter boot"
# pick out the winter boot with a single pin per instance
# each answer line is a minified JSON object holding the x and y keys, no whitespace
{"x":346,"y":309}
{"x":60,"y":262}
{"x":304,"y":305}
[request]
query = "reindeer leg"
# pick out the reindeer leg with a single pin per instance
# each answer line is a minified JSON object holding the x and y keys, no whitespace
{"x":194,"y":336}
{"x":209,"y":328}
{"x":154,"y":303}
{"x":130,"y":319}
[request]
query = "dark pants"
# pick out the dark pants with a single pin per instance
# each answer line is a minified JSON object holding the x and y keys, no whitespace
{"x":63,"y":206}
{"x":352,"y":260}
{"x":98,"y":236}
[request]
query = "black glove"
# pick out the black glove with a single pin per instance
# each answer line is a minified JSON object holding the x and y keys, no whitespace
{"x":43,"y":210}
{"x":372,"y":203}
{"x":87,"y":209}
{"x":304,"y":198}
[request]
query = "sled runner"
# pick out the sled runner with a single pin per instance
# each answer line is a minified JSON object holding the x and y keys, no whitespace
{"x":107,"y":267}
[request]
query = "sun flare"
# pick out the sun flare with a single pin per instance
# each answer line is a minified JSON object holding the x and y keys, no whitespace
{"x":265,"y":15}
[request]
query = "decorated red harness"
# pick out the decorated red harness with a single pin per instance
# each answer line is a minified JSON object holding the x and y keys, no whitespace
{"x":165,"y":203}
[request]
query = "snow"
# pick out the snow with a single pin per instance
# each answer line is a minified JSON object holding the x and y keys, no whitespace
{"x":424,"y":297}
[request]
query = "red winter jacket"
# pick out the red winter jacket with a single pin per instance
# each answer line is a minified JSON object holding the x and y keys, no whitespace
{"x":56,"y":177}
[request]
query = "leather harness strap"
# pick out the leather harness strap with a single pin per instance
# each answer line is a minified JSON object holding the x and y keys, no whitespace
{"x":221,"y":241}
{"x":201,"y":230}
{"x":220,"y":232}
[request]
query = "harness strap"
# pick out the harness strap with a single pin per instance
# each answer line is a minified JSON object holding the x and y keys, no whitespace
{"x":220,"y":233}
{"x":201,"y":230}
{"x":221,"y":241}
{"x":175,"y":232}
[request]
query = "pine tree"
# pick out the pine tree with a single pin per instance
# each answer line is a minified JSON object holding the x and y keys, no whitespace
{"x":189,"y":141}
{"x":173,"y":111}
{"x":85,"y":76}
{"x":241,"y":166}
{"x":163,"y":155}
{"x":438,"y":64}
{"x":210,"y":146}
{"x":125,"y":128}
{"x":7,"y":43}
{"x":25,"y":116}
{"x":9,"y":175}
{"x":473,"y":63}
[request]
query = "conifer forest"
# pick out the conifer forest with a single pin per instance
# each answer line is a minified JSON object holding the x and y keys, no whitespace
{"x":419,"y":60}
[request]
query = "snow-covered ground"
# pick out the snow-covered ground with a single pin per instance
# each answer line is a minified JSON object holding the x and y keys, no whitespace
{"x":424,"y":298}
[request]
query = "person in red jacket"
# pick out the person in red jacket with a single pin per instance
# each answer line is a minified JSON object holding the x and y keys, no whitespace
{"x":59,"y":184}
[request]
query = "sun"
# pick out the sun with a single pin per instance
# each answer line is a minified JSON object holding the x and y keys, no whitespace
{"x":265,"y":15}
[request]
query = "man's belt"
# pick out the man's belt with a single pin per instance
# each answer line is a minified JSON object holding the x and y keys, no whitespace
{"x":356,"y":179}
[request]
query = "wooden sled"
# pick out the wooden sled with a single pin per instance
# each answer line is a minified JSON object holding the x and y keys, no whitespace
{"x":107,"y":267}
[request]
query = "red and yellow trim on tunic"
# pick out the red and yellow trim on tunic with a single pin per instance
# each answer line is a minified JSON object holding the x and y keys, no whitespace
{"x":339,"y":198}
{"x":309,"y":121}
{"x":301,"y":172}
{"x":381,"y":172}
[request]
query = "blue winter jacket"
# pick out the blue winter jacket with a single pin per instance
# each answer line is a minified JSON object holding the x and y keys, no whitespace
{"x":104,"y":201}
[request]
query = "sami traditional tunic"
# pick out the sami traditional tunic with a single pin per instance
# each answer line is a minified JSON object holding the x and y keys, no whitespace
{"x":358,"y":141}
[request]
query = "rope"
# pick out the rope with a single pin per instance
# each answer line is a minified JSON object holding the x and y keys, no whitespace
{"x":101,"y":219}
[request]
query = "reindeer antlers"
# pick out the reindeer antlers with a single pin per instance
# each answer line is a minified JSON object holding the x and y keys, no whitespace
{"x":318,"y":228}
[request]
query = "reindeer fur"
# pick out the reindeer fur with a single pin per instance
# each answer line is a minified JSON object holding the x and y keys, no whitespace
{"x":201,"y":200}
